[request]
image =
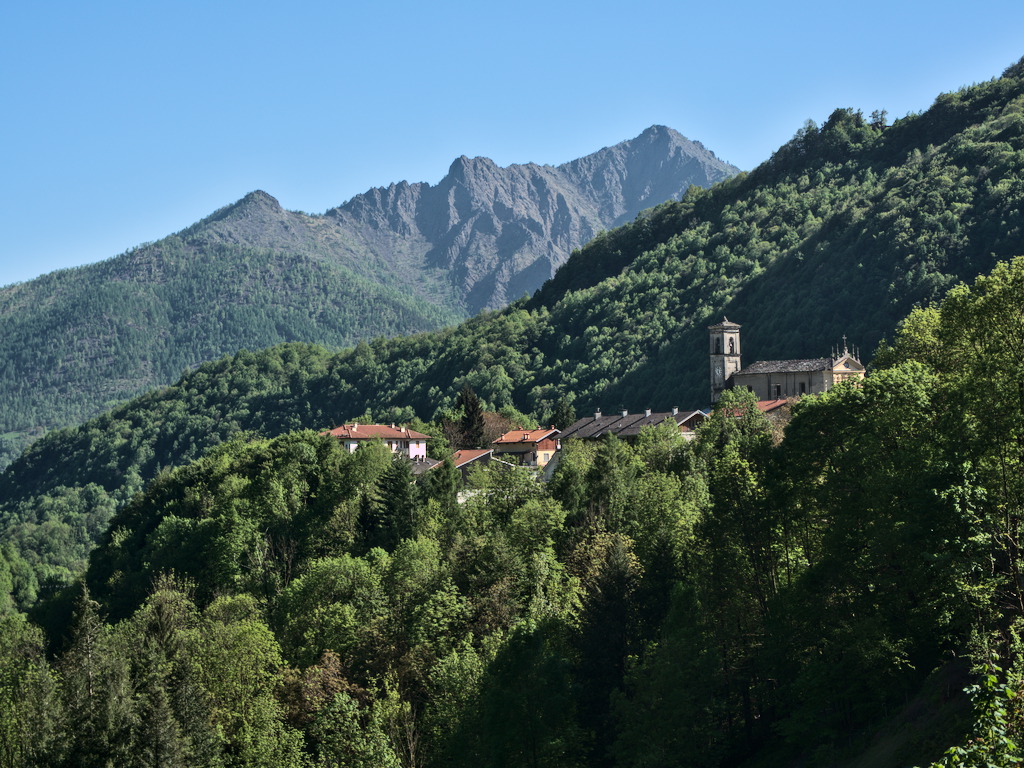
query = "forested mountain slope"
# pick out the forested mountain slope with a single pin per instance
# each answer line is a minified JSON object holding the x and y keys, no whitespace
{"x":391,"y":261}
{"x":843,"y":231}
{"x":735,"y":601}
{"x":76,"y":341}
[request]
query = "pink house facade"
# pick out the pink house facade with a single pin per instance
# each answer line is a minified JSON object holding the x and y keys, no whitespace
{"x":399,"y":439}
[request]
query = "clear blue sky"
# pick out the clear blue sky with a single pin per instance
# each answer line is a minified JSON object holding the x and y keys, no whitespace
{"x":126,"y":121}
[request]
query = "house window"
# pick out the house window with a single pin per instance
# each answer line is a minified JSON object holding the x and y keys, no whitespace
{"x":778,"y":391}
{"x":803,"y":388}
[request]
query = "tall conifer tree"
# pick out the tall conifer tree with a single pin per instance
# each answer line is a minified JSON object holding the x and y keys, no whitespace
{"x":472,"y":418}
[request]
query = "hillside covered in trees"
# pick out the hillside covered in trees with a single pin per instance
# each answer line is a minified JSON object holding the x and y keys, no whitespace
{"x":389,"y":262}
{"x":78,"y":341}
{"x":738,"y":600}
{"x":844,"y":230}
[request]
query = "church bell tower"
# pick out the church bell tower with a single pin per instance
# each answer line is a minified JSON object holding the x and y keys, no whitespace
{"x":725,"y":355}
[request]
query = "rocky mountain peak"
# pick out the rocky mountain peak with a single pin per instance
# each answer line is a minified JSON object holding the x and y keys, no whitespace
{"x":260,"y":198}
{"x":255,"y":203}
{"x":256,"y":220}
{"x":663,"y":132}
{"x":484,"y":234}
{"x":496,"y":232}
{"x":464,"y":167}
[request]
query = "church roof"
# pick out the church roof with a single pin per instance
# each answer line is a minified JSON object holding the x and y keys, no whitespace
{"x":848,"y":361}
{"x":787,"y":366}
{"x":726,"y":324}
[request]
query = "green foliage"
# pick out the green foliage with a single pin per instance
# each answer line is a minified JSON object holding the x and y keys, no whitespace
{"x":564,"y":415}
{"x":240,"y":663}
{"x":96,"y":692}
{"x":830,"y":574}
{"x":847,"y":228}
{"x":348,"y":738}
{"x":391,"y":516}
{"x":472,"y":422}
{"x":29,"y":705}
{"x":79,"y":340}
{"x":525,"y":714}
{"x":268,"y":599}
{"x":727,"y":600}
{"x":995,"y":737}
{"x":244,"y":517}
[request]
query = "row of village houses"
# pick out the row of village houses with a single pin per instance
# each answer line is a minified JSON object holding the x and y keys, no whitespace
{"x":534,"y":448}
{"x":772,"y":381}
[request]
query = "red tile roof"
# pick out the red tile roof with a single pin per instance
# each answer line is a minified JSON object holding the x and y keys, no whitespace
{"x":765,"y":406}
{"x":370,"y":431}
{"x":469,"y":454}
{"x":525,"y":436}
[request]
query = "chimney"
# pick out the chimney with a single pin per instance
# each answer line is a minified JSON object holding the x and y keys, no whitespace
{"x":625,"y":414}
{"x":597,"y":414}
{"x":647,"y":413}
{"x":675,"y":410}
{"x":354,"y":427}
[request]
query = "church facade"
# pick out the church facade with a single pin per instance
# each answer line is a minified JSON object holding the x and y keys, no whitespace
{"x":774,"y":379}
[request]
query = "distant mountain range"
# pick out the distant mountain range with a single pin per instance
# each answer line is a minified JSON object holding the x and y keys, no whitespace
{"x":484,"y":235}
{"x":394,"y":260}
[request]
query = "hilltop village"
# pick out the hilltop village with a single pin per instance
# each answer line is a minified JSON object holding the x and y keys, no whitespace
{"x":775,"y":383}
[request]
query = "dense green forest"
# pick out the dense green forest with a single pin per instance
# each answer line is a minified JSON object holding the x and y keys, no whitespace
{"x":844,"y":230}
{"x":259,"y":597}
{"x":737,"y":600}
{"x":75,"y":338}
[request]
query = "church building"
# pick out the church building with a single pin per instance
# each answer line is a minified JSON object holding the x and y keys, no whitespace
{"x":774,"y":379}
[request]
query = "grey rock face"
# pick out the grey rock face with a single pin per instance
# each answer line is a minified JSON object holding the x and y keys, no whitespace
{"x":484,"y":235}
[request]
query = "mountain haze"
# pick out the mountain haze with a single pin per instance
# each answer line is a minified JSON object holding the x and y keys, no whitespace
{"x":394,"y":260}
